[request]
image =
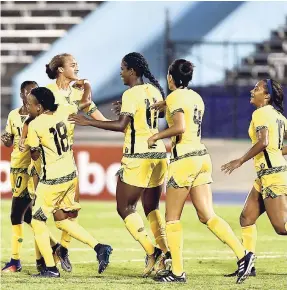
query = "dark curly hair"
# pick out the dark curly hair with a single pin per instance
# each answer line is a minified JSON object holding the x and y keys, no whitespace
{"x":181,"y":71}
{"x":275,"y":90}
{"x":137,"y":62}
{"x":45,"y":97}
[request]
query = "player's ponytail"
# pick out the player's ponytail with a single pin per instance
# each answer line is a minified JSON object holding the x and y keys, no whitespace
{"x":137,"y":62}
{"x":56,"y":62}
{"x":181,"y":71}
{"x":276,"y":93}
{"x":45,"y":97}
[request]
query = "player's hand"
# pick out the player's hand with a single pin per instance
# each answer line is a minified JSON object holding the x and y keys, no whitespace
{"x":152,"y":142}
{"x":6,"y":139}
{"x":78,"y":120}
{"x":232,"y":165}
{"x":22,"y":145}
{"x":79,"y":84}
{"x":159,"y":106}
{"x":117,"y":106}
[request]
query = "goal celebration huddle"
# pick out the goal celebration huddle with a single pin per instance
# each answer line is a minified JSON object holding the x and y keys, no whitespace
{"x":44,"y":177}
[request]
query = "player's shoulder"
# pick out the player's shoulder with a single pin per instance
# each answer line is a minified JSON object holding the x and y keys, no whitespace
{"x":14,"y":113}
{"x":52,"y":87}
{"x":262,"y":112}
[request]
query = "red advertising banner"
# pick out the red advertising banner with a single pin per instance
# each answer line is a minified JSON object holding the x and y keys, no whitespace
{"x":97,"y":166}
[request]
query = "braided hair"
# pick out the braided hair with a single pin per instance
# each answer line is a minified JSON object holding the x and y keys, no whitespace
{"x":181,"y":71}
{"x":137,"y":62}
{"x":275,"y":90}
{"x":56,"y":62}
{"x":45,"y":97}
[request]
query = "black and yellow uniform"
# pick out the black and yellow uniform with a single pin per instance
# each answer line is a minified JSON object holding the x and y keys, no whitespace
{"x":190,"y":163}
{"x":21,"y":181}
{"x":142,"y":166}
{"x":51,"y":135}
{"x":270,"y":165}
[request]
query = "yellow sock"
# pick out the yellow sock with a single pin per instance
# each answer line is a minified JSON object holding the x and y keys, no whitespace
{"x":65,"y":239}
{"x":135,"y":226}
{"x":224,"y":232}
{"x":175,"y":243}
{"x":158,"y":229}
{"x":249,"y":237}
{"x":77,"y":232}
{"x":17,"y":240}
{"x":37,"y":251}
{"x":41,"y":233}
{"x":53,"y":240}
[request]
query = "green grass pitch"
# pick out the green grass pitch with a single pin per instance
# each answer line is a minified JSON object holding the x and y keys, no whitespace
{"x":206,"y":258}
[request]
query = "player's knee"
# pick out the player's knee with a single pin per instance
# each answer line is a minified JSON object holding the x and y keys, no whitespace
{"x":125,"y":211}
{"x":280,"y":229}
{"x":245,"y":220}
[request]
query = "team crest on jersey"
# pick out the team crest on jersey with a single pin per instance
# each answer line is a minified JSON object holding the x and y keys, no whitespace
{"x":262,"y":165}
{"x":126,"y":150}
{"x":23,"y":118}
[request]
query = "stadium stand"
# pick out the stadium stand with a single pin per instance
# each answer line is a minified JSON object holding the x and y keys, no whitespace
{"x":268,"y":60}
{"x":29,"y":28}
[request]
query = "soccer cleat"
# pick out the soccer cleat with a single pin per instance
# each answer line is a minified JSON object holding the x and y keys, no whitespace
{"x":152,"y":261}
{"x":169,"y":277}
{"x":244,"y":267}
{"x":12,"y":266}
{"x":55,"y":256}
{"x":48,"y":273}
{"x":164,"y":263}
{"x":40,"y":265}
{"x":234,"y":274}
{"x":63,"y":255}
{"x":103,"y":256}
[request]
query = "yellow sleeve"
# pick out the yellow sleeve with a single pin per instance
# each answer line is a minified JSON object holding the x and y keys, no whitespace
{"x":8,"y":128}
{"x":129,"y":105}
{"x":174,"y":103}
{"x":260,"y":120}
{"x":32,"y":138}
{"x":91,"y":109}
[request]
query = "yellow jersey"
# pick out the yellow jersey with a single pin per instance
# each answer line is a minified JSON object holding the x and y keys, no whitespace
{"x":268,"y":117}
{"x":51,"y":135}
{"x":136,"y":103}
{"x":15,"y":122}
{"x":191,"y":104}
{"x":71,"y":96}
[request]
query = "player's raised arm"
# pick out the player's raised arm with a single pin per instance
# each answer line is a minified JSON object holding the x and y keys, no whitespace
{"x":86,"y":100}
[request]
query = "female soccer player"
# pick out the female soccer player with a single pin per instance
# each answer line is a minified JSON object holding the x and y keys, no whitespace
{"x":49,"y":134}
{"x":21,"y":182}
{"x":269,"y":192}
{"x":64,"y":69}
{"x":143,"y":170}
{"x":189,"y":173}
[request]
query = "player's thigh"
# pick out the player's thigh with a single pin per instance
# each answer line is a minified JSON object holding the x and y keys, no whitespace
{"x":276,"y":209}
{"x":150,"y":198}
{"x":127,"y":197}
{"x":19,"y":207}
{"x":175,"y":200}
{"x":159,"y":169}
{"x":135,"y":171}
{"x":19,"y":183}
{"x":201,"y":197}
{"x":46,"y":199}
{"x":67,"y":196}
{"x":253,"y":206}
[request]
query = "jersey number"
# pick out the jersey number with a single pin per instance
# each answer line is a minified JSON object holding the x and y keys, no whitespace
{"x":281,"y":130}
{"x":19,"y":131}
{"x":62,"y":136}
{"x":18,"y":181}
{"x":149,"y":112}
{"x":197,"y":119}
